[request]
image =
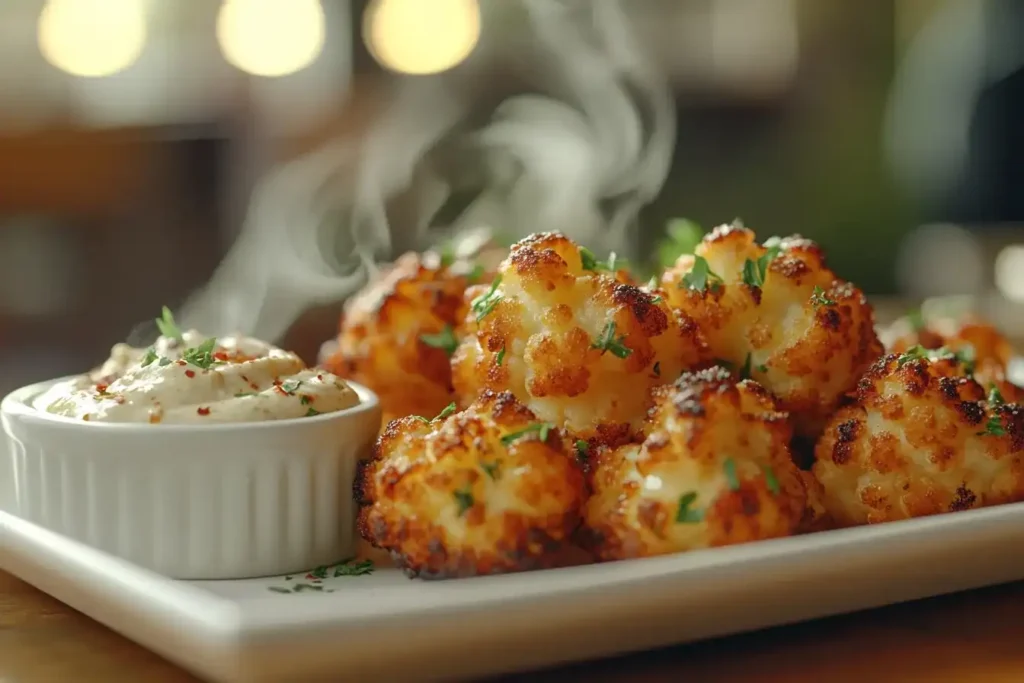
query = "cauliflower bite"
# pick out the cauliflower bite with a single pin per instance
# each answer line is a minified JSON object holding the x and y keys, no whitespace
{"x":484,"y":491}
{"x":780,"y":315}
{"x":714,"y":470}
{"x":398,"y":334}
{"x":577,"y":347}
{"x":921,"y":439}
{"x":979,"y":344}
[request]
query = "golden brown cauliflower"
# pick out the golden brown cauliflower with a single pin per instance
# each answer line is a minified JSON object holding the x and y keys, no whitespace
{"x":577,"y":347}
{"x":398,"y":334}
{"x":977,"y":342}
{"x":484,"y":491}
{"x":777,"y":313}
{"x":921,"y":439}
{"x":715,"y":469}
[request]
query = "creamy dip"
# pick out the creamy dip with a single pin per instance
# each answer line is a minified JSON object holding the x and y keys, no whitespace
{"x":190,"y":378}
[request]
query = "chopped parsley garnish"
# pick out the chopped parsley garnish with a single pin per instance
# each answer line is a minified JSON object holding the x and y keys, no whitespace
{"x":994,"y":426}
{"x":202,"y":355}
{"x":686,"y":514}
{"x":964,"y":356}
{"x":464,"y":499}
{"x":589,"y":262}
{"x":447,"y":254}
{"x":485,"y":303}
{"x":745,"y":368}
{"x":587,"y":259}
{"x":731,"y":478}
{"x":290,"y":386}
{"x":916,"y":352}
{"x":754,"y":272}
{"x":995,"y":397}
{"x":444,"y":340}
{"x":149,"y":357}
{"x":311,"y":412}
{"x":168,"y":328}
{"x":540,"y":428}
{"x":448,"y":410}
{"x":493,"y":469}
{"x":762,"y":368}
{"x":819,"y":298}
{"x":657,"y":369}
{"x":770,"y":479}
{"x":305,"y":400}
{"x":656,"y":299}
{"x":474,"y":275}
{"x":701,"y":277}
{"x":352,"y":568}
{"x":500,"y":357}
{"x":582,"y":449}
{"x":608,"y":342}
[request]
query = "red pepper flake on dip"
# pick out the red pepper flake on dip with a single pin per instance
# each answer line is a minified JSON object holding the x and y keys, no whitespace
{"x":231,"y":379}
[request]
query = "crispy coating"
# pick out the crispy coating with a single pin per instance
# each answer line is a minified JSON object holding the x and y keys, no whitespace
{"x":989,"y":351}
{"x":383,"y":339}
{"x":802,"y":333}
{"x":464,"y":496}
{"x":577,"y":347}
{"x":920,"y":440}
{"x":714,"y":470}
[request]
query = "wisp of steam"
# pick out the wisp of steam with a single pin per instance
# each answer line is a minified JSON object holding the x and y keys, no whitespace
{"x":581,"y":144}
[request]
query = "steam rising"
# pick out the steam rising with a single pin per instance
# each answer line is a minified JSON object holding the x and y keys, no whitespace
{"x":581,"y":152}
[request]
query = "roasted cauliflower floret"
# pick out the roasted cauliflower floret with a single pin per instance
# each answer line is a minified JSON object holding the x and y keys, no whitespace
{"x":979,"y":344}
{"x":920,"y":439}
{"x":577,"y":347}
{"x":484,"y":491}
{"x":715,"y":469}
{"x":777,"y":313}
{"x":398,"y":334}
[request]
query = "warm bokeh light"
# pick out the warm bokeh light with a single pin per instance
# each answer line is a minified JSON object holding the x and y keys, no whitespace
{"x":271,"y":37}
{"x":421,"y":37}
{"x":92,"y":38}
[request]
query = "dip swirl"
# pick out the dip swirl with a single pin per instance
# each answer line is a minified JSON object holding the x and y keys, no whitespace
{"x":190,"y":378}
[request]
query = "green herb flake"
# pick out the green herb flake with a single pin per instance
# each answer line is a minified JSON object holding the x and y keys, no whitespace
{"x":914,"y":353}
{"x":444,"y":340}
{"x":202,"y":355}
{"x":656,"y":299}
{"x":589,"y":262}
{"x":819,"y":298}
{"x":312,"y":412}
{"x":353,"y":568}
{"x":755,"y":272}
{"x":701,"y":277}
{"x":305,"y":399}
{"x":168,"y":328}
{"x":463,"y":499}
{"x":994,"y":426}
{"x":242,"y":394}
{"x":657,"y":369}
{"x":165,"y":361}
{"x":995,"y":397}
{"x":745,"y":368}
{"x":485,"y":303}
{"x":587,"y":259}
{"x":762,"y":368}
{"x":731,"y":478}
{"x":771,"y":479}
{"x":448,"y":410}
{"x":582,"y":450}
{"x":290,"y":386}
{"x":498,"y":359}
{"x":492,"y":469}
{"x":542,"y":430}
{"x":685,"y":514}
{"x":149,"y":357}
{"x":608,"y":342}
{"x":447,"y":254}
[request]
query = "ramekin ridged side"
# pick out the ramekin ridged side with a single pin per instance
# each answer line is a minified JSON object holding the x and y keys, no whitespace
{"x":194,"y":501}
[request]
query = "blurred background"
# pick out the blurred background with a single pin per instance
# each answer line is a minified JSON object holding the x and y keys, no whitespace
{"x":133,"y":134}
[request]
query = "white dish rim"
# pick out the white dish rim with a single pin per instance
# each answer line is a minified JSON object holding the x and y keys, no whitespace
{"x":18,"y":404}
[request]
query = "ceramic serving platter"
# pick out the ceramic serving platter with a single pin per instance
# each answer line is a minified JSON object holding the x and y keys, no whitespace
{"x":351,"y":622}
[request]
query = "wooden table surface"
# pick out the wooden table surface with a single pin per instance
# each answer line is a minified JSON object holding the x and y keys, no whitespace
{"x":972,"y":637}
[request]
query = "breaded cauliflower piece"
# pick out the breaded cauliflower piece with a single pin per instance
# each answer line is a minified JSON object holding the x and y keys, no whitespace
{"x":780,"y":315}
{"x":398,"y":334}
{"x":921,"y":439}
{"x":577,"y":347}
{"x":484,"y":491}
{"x":977,"y":342}
{"x":715,"y":469}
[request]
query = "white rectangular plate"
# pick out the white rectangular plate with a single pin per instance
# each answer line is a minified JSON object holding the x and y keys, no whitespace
{"x":384,"y":626}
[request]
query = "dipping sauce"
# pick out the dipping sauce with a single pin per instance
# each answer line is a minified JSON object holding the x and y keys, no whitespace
{"x":191,"y":378}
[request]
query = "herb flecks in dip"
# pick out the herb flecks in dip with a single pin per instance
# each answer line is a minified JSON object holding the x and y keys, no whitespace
{"x":187,"y":377}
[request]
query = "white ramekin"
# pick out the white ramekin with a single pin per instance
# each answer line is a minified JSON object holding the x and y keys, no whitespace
{"x":220,"y":501}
